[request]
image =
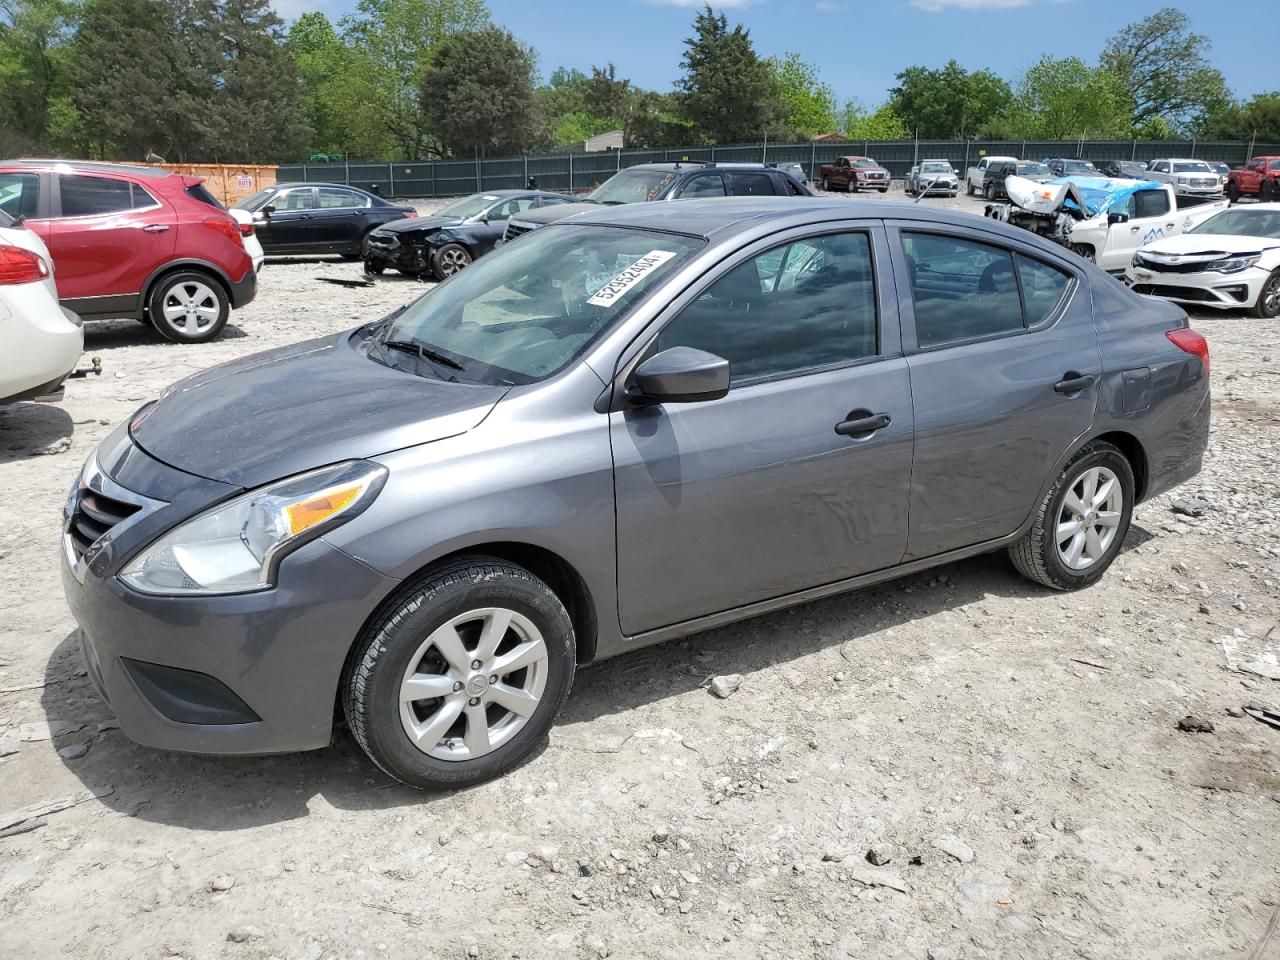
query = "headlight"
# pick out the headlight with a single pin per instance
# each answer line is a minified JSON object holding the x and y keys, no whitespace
{"x":1182,"y":181}
{"x":235,"y":547}
{"x":1233,"y":264}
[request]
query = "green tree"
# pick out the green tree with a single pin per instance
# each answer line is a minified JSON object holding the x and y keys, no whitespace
{"x":809,"y":103}
{"x":950,"y":102}
{"x":393,"y":40}
{"x":1257,"y":120}
{"x":881,"y":124}
{"x":33,"y":38}
{"x":259,"y":114}
{"x":1164,"y":67}
{"x":477,"y":93}
{"x":1061,"y":98}
{"x":728,"y":92}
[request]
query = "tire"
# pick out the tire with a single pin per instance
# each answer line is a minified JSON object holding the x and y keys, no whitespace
{"x":1267,"y":306}
{"x":1040,"y":556}
{"x":884,"y":189}
{"x":188,"y":307}
{"x":350,"y":257}
{"x":1084,"y":251}
{"x":1233,"y":192}
{"x":826,"y":187}
{"x":1265,"y":191}
{"x":375,"y":269}
{"x":448,"y":260}
{"x":988,"y":191}
{"x":968,"y":188}
{"x":401,"y":642}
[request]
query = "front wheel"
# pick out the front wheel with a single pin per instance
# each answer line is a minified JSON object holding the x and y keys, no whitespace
{"x":448,"y":260}
{"x":1265,"y":191}
{"x":462,"y":676}
{"x":1267,"y":306}
{"x":1081,"y":522}
{"x":188,"y":307}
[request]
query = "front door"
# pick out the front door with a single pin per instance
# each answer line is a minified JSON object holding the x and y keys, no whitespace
{"x":1005,"y":369}
{"x":1151,"y":218}
{"x":756,"y":495}
{"x":287,"y":229}
{"x":109,"y":237}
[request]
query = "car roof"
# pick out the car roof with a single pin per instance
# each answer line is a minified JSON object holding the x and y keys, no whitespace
{"x":671,"y":166}
{"x":719,"y":217}
{"x":90,"y":166}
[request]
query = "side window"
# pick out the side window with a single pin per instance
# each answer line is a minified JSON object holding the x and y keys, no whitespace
{"x":20,"y":194}
{"x":703,"y":185}
{"x":94,"y":196}
{"x":513,"y":206}
{"x":805,"y":304}
{"x":751,"y":185}
{"x":962,"y":290}
{"x":303,"y":198}
{"x":333,"y":198}
{"x":1124,"y":206}
{"x":1042,"y":288}
{"x":1151,"y":203}
{"x":142,"y":199}
{"x":793,"y":188}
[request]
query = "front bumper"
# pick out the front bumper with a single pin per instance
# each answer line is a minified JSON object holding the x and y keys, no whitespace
{"x":391,"y":250}
{"x":1222,"y":291}
{"x":247,"y":673}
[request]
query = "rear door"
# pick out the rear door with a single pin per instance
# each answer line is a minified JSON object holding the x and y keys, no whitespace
{"x":728,"y":502}
{"x":751,"y":183}
{"x":110,"y":235}
{"x":710,"y":184}
{"x":1004,"y":367}
{"x":339,"y":221}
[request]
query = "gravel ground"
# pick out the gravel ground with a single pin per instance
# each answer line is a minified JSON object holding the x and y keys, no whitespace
{"x":957,"y":764}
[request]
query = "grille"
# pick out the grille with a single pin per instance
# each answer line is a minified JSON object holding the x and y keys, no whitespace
{"x":875,"y":176}
{"x":1179,"y":293}
{"x":95,"y":513}
{"x":516,"y":230}
{"x":1155,"y":266}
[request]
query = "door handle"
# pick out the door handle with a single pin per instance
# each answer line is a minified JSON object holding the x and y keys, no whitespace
{"x":862,"y":422}
{"x":1133,"y":229}
{"x":155,"y":228}
{"x":1073,"y":382}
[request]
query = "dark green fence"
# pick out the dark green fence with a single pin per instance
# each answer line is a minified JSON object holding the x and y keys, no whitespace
{"x":581,"y":171}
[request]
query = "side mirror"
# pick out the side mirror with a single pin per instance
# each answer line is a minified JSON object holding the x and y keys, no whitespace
{"x":268,"y":210}
{"x":680,"y":375}
{"x":1117,"y":218}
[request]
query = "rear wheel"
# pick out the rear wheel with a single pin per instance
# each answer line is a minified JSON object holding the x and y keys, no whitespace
{"x":1268,"y":303}
{"x":968,"y":187}
{"x":989,"y":190}
{"x":1265,"y":191}
{"x":462,"y":678}
{"x":1233,"y":192}
{"x":188,"y":307}
{"x":449,"y":259}
{"x":1081,"y":522}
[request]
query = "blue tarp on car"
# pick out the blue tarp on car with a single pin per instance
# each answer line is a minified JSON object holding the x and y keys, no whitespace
{"x":1102,"y":193}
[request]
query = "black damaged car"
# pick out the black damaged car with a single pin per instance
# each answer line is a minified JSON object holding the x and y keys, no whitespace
{"x":441,"y":244}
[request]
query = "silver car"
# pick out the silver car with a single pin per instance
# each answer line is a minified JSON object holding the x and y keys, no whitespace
{"x":932,"y":176}
{"x":629,"y":426}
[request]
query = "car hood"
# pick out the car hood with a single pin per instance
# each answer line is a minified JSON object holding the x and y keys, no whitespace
{"x":554,"y":212}
{"x":284,"y":411}
{"x":415,"y":224}
{"x":1204,"y":243}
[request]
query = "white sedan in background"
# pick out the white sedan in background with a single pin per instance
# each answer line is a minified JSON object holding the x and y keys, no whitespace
{"x":252,"y":245}
{"x":1230,"y":260}
{"x":40,"y":342}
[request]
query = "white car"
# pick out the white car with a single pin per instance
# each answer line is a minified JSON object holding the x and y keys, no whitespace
{"x":252,"y":245}
{"x":973,"y":176}
{"x":40,"y":341}
{"x":1189,"y":178}
{"x":932,"y":176}
{"x":1230,"y":260}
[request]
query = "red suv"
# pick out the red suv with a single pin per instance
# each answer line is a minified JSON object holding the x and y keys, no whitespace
{"x":135,"y":242}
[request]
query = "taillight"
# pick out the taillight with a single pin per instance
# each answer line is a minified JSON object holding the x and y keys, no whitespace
{"x":410,"y":214}
{"x":246,"y":229}
{"x":18,"y":265}
{"x":227,"y":227}
{"x":1190,"y":341}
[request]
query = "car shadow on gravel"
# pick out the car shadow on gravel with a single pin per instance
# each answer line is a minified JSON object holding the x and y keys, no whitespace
{"x":236,"y":793}
{"x":110,"y":334}
{"x":27,"y":428}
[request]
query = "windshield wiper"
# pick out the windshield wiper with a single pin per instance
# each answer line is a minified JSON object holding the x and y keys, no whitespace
{"x":433,"y":357}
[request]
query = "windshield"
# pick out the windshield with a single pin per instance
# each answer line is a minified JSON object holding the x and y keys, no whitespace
{"x":1191,"y":166}
{"x":1034,"y":170}
{"x":258,"y":199}
{"x":6,"y":220}
{"x":1078,"y":166}
{"x":1243,"y":223}
{"x":935,"y":168}
{"x":863,"y":164}
{"x":522,"y":313}
{"x":1275,"y":164}
{"x":631,"y":186}
{"x":468,"y":206}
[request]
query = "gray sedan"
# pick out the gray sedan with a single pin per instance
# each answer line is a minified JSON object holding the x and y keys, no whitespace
{"x":630,"y":426}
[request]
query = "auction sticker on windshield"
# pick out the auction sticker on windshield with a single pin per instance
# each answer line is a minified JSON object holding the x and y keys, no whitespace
{"x":629,"y":277}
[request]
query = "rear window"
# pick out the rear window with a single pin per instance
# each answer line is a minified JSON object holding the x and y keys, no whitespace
{"x":198,"y":192}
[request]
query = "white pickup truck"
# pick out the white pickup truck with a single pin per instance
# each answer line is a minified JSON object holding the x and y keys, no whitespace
{"x":973,"y":176}
{"x":1101,"y":219}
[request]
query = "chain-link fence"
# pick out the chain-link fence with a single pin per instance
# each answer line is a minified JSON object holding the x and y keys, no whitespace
{"x":576,"y":172}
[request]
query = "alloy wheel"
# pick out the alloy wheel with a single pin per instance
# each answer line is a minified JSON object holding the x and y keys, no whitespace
{"x":452,"y":260}
{"x":1270,"y":296}
{"x":191,"y":306}
{"x":473,"y":684}
{"x":1089,"y":517}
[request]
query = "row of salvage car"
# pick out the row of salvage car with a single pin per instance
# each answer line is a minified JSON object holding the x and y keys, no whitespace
{"x":1206,"y":255}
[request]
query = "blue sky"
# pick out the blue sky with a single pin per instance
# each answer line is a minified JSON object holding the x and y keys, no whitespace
{"x":858,"y":45}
